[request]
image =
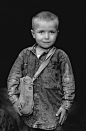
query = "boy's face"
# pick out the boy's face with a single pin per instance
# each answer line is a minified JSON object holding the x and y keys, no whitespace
{"x":45,"y":33}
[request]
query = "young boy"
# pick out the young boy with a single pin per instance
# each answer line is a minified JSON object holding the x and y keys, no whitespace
{"x":53,"y":89}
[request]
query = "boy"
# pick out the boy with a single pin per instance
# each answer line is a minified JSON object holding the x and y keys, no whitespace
{"x":53,"y":90}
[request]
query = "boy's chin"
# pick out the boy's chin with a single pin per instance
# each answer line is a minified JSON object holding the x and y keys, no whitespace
{"x":45,"y":47}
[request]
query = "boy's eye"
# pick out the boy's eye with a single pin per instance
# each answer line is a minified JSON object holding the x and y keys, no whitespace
{"x":41,"y":32}
{"x":52,"y":32}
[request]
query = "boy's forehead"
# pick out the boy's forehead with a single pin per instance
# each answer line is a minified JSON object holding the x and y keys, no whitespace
{"x":44,"y":24}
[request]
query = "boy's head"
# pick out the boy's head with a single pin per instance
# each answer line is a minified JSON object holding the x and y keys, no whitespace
{"x":45,"y":28}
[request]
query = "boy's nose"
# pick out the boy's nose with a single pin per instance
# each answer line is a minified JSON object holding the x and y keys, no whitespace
{"x":46,"y":35}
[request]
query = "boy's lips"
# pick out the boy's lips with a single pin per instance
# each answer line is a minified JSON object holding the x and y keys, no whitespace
{"x":46,"y":42}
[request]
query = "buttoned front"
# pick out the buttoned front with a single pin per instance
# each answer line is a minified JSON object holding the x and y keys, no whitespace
{"x":53,"y":88}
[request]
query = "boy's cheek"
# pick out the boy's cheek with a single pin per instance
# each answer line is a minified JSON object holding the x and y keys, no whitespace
{"x":38,"y":37}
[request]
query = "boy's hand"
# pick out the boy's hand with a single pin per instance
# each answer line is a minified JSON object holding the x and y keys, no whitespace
{"x":16,"y":105}
{"x":61,"y":111}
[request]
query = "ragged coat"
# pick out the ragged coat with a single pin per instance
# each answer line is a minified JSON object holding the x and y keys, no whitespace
{"x":54,"y":87}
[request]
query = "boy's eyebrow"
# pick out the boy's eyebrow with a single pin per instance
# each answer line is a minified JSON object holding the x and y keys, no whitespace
{"x":49,"y":29}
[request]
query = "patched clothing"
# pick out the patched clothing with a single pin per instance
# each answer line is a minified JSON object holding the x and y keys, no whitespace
{"x":54,"y":87}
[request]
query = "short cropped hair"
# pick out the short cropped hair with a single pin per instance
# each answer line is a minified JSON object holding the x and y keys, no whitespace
{"x":47,"y":16}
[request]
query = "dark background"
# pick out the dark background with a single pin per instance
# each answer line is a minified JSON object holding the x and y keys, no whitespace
{"x":15,"y":26}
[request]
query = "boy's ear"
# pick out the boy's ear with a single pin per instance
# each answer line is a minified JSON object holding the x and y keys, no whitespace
{"x":32,"y":32}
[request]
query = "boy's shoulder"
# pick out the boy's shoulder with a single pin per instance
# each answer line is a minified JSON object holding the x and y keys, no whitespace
{"x":61,"y":52}
{"x":62,"y":55}
{"x":25,"y":50}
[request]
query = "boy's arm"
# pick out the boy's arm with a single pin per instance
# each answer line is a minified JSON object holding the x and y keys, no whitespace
{"x":14,"y":78}
{"x":68,"y":83}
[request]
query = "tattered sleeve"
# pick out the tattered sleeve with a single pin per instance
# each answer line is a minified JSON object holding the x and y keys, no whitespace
{"x":68,"y":82}
{"x":14,"y":78}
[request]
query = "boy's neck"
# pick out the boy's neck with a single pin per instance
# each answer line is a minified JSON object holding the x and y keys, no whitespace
{"x":40,"y":51}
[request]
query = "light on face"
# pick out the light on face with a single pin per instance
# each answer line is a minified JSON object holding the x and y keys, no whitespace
{"x":45,"y":33}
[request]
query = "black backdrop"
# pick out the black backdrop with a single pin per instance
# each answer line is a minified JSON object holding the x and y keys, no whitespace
{"x":15,"y":26}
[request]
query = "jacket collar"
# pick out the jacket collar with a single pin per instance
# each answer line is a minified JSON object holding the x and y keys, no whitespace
{"x":33,"y":49}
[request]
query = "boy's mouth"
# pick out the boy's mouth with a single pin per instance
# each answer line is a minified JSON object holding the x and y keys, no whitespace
{"x":46,"y":41}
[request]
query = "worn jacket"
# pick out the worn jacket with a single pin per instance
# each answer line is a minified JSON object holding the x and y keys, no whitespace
{"x":54,"y":87}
